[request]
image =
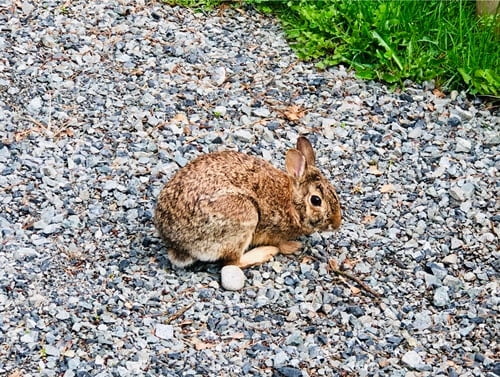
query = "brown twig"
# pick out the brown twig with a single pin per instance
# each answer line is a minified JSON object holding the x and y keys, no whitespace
{"x":179,"y":313}
{"x":333,"y":266}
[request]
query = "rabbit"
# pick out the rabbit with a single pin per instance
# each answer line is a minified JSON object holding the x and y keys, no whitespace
{"x":221,"y":203}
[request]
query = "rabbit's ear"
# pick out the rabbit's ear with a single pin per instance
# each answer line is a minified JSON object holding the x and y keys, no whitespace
{"x":305,"y":147}
{"x":295,"y":163}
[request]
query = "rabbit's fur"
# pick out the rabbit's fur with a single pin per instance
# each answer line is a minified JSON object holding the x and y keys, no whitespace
{"x":221,"y":203}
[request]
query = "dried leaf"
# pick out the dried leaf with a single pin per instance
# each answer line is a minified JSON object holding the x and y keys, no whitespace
{"x":238,"y":335}
{"x":389,"y":188}
{"x":294,"y":112}
{"x":384,"y":362}
{"x":333,"y":264}
{"x":349,"y":264}
{"x":368,"y":219}
{"x":69,"y":353}
{"x":438,"y":93}
{"x":179,"y":118}
{"x":65,"y":132}
{"x":374,"y":170}
{"x":306,"y":260}
{"x":358,"y":189}
{"x":200,"y":345}
{"x":137,"y":72}
{"x":16,"y":373}
{"x":354,"y":290}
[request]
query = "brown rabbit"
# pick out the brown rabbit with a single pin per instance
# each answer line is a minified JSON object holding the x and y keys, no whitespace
{"x":221,"y":203}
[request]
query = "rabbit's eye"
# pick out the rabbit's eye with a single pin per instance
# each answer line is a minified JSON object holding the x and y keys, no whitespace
{"x":315,"y":200}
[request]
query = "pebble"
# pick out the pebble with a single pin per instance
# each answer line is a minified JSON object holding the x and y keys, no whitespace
{"x":219,"y":76}
{"x":289,"y":372}
{"x":220,"y":111}
{"x":232,"y":278}
{"x":422,"y":320}
{"x":52,"y":351}
{"x":280,"y":359}
{"x":451,"y":258}
{"x":441,"y":297}
{"x":24,"y":253}
{"x":62,"y":315}
{"x":415,"y":133}
{"x":34,"y":105}
{"x":262,"y":112}
{"x":463,"y":145}
{"x":244,"y":136}
{"x":414,"y":361}
{"x":469,"y":276}
{"x":456,"y":243}
{"x":164,"y":331}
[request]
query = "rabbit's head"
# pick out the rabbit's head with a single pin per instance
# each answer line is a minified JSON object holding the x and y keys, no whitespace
{"x":315,"y":200}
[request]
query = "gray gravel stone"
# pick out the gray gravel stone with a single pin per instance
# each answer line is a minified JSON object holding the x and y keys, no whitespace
{"x":243,"y":136}
{"x":441,"y":297}
{"x":24,"y":253}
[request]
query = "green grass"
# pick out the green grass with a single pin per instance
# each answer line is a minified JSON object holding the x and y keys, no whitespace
{"x":395,"y":40}
{"x":197,"y":4}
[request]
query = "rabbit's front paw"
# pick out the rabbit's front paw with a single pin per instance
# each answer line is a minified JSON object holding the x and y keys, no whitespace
{"x":289,"y":247}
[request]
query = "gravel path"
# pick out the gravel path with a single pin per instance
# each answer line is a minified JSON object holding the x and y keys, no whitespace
{"x":101,"y":102}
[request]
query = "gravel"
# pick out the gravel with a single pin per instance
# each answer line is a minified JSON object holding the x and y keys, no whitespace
{"x":101,"y":102}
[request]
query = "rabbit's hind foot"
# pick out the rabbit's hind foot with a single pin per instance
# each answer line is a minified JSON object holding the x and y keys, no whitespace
{"x":257,"y":256}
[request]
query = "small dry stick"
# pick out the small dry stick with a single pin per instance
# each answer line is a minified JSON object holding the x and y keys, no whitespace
{"x":332,"y":264}
{"x":179,"y":313}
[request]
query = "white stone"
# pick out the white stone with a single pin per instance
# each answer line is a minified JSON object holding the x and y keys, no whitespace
{"x":244,"y":135}
{"x":232,"y":278}
{"x":412,"y":359}
{"x":261,"y":301}
{"x":164,"y":331}
{"x":262,"y":112}
{"x":219,"y":76}
{"x":441,"y":297}
{"x":415,"y":133}
{"x":457,"y":193}
{"x":27,"y":8}
{"x":62,"y":315}
{"x":362,"y":268}
{"x":463,"y":145}
{"x":220,"y":111}
{"x":468,"y":189}
{"x":422,"y":320}
{"x":35,"y":105}
{"x":52,"y":351}
{"x":451,"y":259}
{"x":30,"y":337}
{"x":36,"y":299}
{"x":280,"y":359}
{"x":23,"y":253}
{"x":328,"y":123}
{"x":469,"y":276}
{"x":456,"y":243}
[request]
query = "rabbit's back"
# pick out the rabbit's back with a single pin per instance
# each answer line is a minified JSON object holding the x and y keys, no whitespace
{"x":217,"y":173}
